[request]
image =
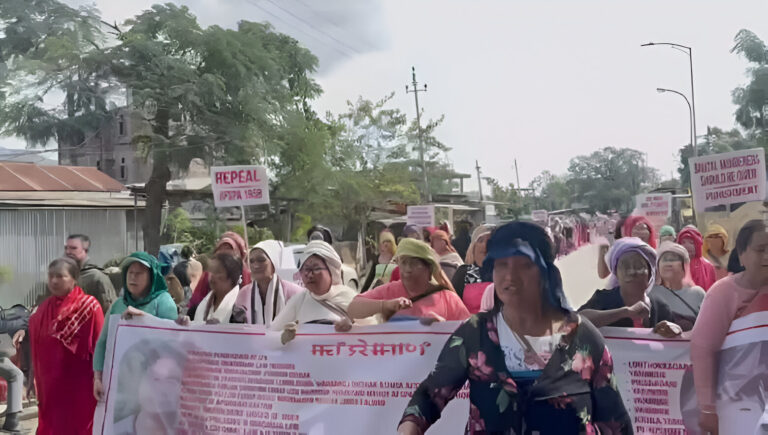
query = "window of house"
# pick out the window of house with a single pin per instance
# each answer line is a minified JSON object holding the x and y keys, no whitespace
{"x":98,"y":165}
{"x":121,"y":125}
{"x":122,"y":168}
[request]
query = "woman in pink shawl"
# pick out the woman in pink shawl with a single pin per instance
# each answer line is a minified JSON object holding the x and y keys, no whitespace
{"x":229,"y":243}
{"x":702,"y":271}
{"x":640,"y":227}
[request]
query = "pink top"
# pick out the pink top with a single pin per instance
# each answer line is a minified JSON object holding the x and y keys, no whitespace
{"x":473,"y":295}
{"x":724,"y":302}
{"x":446,"y":304}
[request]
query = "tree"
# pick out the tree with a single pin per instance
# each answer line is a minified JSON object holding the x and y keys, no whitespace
{"x":219,"y":93}
{"x":513,"y":205}
{"x":48,"y":51}
{"x":610,"y":178}
{"x":551,"y":192}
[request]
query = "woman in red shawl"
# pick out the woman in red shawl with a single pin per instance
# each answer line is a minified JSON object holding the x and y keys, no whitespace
{"x":640,"y":227}
{"x":702,"y":271}
{"x":229,"y":243}
{"x":63,"y":333}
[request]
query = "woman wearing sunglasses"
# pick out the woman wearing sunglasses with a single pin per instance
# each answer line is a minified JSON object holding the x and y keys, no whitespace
{"x":633,"y":263}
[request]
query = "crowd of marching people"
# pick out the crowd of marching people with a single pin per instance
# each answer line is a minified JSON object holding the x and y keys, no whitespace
{"x":522,"y":336}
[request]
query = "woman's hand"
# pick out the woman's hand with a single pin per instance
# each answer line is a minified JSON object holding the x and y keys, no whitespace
{"x":667,"y":329}
{"x":709,"y":423}
{"x":289,"y":332}
{"x":131,"y":312}
{"x":639,"y":310}
{"x":431,"y":318}
{"x":18,"y":337}
{"x":408,"y":428}
{"x":342,"y":325}
{"x":98,"y":387}
{"x":183,"y":320}
{"x":212,"y":321}
{"x":392,"y":306}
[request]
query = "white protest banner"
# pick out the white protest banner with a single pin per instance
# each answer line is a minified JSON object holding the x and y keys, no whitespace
{"x":540,"y":216}
{"x":728,"y":178}
{"x":649,"y":371}
{"x":240,"y":379}
{"x":421,"y":215}
{"x":653,"y":205}
{"x":235,"y":186}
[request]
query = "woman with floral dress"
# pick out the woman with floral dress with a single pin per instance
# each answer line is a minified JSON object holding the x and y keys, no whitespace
{"x":542,"y":370}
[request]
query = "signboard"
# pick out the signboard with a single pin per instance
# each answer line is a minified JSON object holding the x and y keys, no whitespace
{"x":421,"y":215}
{"x":241,"y":379}
{"x":235,"y":186}
{"x":653,"y":205}
{"x":728,"y":178}
{"x":540,"y":216}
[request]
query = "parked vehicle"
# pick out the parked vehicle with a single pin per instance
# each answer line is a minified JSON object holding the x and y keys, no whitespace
{"x":292,"y":255}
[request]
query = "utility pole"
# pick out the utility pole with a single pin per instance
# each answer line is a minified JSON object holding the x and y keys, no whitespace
{"x":415,"y":91}
{"x":517,"y":176}
{"x":479,"y":181}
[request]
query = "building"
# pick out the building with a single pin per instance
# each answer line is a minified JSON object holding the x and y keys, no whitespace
{"x":41,"y":205}
{"x":111,"y":149}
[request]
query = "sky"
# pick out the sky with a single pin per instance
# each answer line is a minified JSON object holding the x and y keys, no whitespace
{"x":539,"y":81}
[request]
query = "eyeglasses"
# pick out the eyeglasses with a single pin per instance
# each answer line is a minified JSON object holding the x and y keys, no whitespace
{"x":306,"y":271}
{"x":670,"y":259}
{"x":634,"y":272}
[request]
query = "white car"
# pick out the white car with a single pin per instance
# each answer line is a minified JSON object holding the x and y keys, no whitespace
{"x":292,"y":255}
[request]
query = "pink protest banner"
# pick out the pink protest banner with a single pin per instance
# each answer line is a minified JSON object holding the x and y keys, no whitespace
{"x":728,"y":178}
{"x":240,"y":379}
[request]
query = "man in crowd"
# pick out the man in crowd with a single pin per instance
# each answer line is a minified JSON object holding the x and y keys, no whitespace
{"x":92,"y":280}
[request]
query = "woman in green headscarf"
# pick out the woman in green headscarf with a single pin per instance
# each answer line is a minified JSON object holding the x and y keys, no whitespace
{"x":144,"y":291}
{"x":667,"y":234}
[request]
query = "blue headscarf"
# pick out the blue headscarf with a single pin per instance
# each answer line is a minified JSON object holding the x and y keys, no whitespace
{"x":528,"y":240}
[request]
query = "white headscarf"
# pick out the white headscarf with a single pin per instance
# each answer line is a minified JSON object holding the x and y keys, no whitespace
{"x":328,"y":254}
{"x":266,"y":311}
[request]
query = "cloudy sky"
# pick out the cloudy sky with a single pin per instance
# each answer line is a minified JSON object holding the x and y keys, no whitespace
{"x":540,"y":81}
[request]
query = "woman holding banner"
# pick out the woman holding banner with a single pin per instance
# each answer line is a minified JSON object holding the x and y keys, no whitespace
{"x":259,"y":302}
{"x":422,"y":292}
{"x":224,"y":273}
{"x":144,"y":291}
{"x":533,"y":365}
{"x":326,"y":298}
{"x":729,"y":299}
{"x":63,"y":333}
{"x":633,"y":267}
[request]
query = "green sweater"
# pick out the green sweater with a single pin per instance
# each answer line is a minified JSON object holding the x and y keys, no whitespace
{"x":158,"y":303}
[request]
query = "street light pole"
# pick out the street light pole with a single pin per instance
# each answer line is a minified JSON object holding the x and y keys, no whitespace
{"x":689,"y":51}
{"x":690,"y":113}
{"x":415,"y":90}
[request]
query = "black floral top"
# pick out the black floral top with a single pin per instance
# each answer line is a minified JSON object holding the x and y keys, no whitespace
{"x":575,"y":394}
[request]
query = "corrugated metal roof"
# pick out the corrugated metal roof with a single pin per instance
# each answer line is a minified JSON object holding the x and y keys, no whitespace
{"x":32,"y":177}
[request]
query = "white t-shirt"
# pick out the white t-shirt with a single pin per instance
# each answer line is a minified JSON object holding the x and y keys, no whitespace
{"x":514,"y":352}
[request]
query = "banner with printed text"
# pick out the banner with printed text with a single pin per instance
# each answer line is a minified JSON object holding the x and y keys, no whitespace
{"x":240,"y":379}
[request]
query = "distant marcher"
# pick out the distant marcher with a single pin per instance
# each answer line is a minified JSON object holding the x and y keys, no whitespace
{"x":667,"y":234}
{"x":462,"y":239}
{"x":319,"y":232}
{"x":63,"y":333}
{"x":224,"y":273}
{"x":716,"y":250}
{"x":642,"y":228}
{"x":702,"y":271}
{"x":229,"y":243}
{"x":603,"y":271}
{"x":144,"y":291}
{"x":92,"y":279}
{"x":259,"y":302}
{"x":381,"y":267}
{"x":449,"y":259}
{"x":13,"y":321}
{"x":675,"y":286}
{"x":468,"y":280}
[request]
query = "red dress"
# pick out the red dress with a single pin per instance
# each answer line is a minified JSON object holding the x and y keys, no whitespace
{"x":63,"y":334}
